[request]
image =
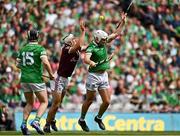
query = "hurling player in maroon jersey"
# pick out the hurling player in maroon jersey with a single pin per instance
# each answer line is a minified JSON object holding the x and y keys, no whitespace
{"x":68,"y":59}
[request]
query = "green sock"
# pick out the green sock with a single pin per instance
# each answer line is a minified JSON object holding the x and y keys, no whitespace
{"x":24,"y":121}
{"x":37,"y":118}
{"x":83,"y":115}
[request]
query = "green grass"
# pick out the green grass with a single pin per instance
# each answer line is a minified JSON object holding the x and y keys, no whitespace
{"x":99,"y":133}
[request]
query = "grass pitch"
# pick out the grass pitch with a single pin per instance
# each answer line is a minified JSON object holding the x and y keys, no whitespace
{"x":99,"y":133}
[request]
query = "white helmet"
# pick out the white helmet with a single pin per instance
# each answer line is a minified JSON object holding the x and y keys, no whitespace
{"x":68,"y":38}
{"x":100,"y":34}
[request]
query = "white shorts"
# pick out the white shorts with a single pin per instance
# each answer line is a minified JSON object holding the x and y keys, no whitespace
{"x":60,"y":84}
{"x":33,"y":87}
{"x":97,"y":81}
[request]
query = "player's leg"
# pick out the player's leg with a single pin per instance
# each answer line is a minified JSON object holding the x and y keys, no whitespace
{"x":103,"y":91}
{"x":52,"y":111}
{"x":91,"y":86}
{"x":28,"y":108}
{"x":41,"y":94}
{"x":89,"y":99}
{"x":43,"y":99}
{"x":62,"y":96}
{"x":105,"y":103}
{"x":53,"y":122}
{"x":58,"y":94}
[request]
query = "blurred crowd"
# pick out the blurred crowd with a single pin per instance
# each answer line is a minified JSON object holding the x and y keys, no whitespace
{"x":144,"y":74}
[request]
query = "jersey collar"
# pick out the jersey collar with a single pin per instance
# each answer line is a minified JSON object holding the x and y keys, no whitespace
{"x":33,"y":42}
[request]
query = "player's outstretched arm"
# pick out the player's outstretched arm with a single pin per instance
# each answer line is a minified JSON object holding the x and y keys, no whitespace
{"x":119,"y":28}
{"x":78,"y":42}
{"x":47,"y":66}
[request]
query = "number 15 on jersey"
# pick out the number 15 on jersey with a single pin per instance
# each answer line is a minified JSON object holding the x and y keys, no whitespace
{"x":27,"y":58}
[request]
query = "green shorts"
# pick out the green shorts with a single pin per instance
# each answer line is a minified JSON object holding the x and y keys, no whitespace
{"x":33,"y":87}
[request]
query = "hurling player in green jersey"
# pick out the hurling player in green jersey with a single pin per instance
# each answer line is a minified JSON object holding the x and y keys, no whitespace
{"x":97,"y":79}
{"x":31,"y":59}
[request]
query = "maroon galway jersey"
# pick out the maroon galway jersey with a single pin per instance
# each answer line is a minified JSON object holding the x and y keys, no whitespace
{"x":67,"y":61}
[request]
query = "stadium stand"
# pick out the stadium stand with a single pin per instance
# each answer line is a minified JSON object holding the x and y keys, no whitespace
{"x":144,"y":74}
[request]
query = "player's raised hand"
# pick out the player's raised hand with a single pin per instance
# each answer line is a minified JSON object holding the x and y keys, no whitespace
{"x":122,"y":22}
{"x":82,"y":26}
{"x":123,"y":16}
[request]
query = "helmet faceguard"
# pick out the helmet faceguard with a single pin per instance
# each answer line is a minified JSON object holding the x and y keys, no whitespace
{"x":99,"y":35}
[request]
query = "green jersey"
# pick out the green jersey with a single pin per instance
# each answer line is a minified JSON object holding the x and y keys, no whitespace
{"x":30,"y":63}
{"x":99,"y":56}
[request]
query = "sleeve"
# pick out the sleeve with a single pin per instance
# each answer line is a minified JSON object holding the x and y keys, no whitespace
{"x":18,"y":54}
{"x":89,"y":49}
{"x":43,"y":52}
{"x":18,"y":59}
